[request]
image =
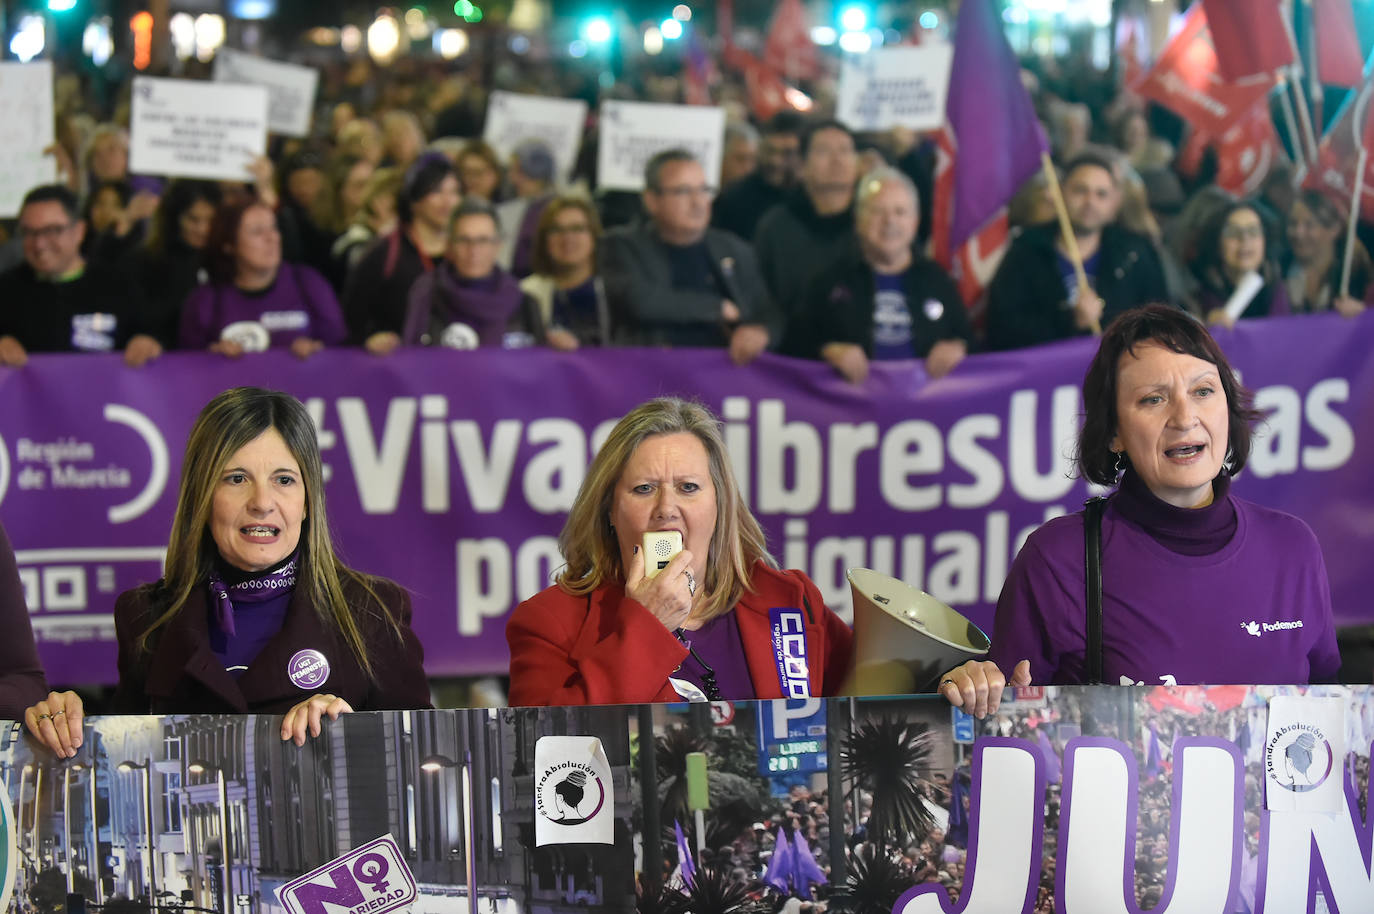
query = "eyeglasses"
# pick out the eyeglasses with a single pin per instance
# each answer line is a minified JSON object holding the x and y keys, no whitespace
{"x":475,"y":241}
{"x":44,"y":232}
{"x":582,"y":229}
{"x":1242,"y":232}
{"x":686,"y":190}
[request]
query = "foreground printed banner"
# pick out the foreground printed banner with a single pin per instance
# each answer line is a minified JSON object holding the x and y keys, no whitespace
{"x":1071,"y":799}
{"x":452,"y":472}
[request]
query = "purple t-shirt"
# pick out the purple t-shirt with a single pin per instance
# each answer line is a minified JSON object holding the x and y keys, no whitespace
{"x":300,"y":303}
{"x":1255,"y":610}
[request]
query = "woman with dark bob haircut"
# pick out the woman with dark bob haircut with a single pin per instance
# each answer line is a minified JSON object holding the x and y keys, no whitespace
{"x":255,"y":612}
{"x":1197,"y":584}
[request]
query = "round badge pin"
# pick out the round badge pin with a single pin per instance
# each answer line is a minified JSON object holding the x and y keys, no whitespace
{"x":308,"y":669}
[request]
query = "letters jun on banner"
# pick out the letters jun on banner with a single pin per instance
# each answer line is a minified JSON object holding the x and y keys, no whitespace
{"x":461,"y":498}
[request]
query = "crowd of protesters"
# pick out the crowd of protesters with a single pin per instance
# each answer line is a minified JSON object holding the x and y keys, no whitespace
{"x":394,"y":225}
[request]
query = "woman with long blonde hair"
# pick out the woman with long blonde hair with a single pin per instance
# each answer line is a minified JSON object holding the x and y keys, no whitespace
{"x":255,"y":612}
{"x":715,"y":620}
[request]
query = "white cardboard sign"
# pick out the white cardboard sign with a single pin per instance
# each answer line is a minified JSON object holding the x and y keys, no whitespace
{"x":896,"y":87}
{"x":26,"y":129}
{"x":513,"y":118}
{"x":187,"y":129}
{"x":631,"y":132}
{"x":290,"y":88}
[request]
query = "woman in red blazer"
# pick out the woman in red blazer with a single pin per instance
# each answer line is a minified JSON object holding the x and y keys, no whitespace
{"x":718,"y":621}
{"x":255,"y":612}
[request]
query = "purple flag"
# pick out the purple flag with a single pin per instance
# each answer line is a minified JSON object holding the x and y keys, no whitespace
{"x":957,"y":832}
{"x":685,"y":865}
{"x":998,"y":137}
{"x":781,"y":867}
{"x":1152,"y":759}
{"x":805,"y":868}
{"x":1051,"y":759}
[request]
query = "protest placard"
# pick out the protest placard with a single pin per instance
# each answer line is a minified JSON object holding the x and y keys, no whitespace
{"x":631,"y":132}
{"x":26,"y":129}
{"x":191,"y":129}
{"x":513,"y":118}
{"x":290,"y":88}
{"x":896,"y":87}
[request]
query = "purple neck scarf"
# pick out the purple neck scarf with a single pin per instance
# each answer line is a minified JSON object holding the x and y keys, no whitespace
{"x":249,"y":587}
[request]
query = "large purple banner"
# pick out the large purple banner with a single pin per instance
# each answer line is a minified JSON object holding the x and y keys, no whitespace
{"x":452,"y":471}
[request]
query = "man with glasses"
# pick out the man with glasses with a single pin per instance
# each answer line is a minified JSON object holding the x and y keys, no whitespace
{"x":740,"y":204}
{"x":682,"y":283}
{"x":57,"y":302}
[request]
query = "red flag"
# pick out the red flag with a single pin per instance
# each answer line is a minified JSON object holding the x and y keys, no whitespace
{"x":789,"y":49}
{"x":1250,"y":37}
{"x":698,"y":71}
{"x":972,"y":263}
{"x":766,"y":90}
{"x":1338,"y":154}
{"x":1185,"y":80}
{"x":725,"y":21}
{"x":1339,"y":61}
{"x":1245,"y":152}
{"x":1128,"y":50}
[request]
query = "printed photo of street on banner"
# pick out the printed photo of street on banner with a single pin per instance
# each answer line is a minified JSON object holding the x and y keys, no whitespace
{"x":1213,"y":800}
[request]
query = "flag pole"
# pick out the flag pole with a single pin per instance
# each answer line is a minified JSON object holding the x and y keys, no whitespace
{"x":1294,"y":138}
{"x":1066,"y":229}
{"x":1357,"y":128}
{"x":1296,"y":82}
{"x":1305,"y":116}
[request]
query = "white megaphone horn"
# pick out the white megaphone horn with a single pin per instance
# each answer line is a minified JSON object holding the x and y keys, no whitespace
{"x":904,"y":638}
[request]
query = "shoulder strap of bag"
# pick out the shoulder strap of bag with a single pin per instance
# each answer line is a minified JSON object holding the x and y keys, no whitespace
{"x":1092,"y":535}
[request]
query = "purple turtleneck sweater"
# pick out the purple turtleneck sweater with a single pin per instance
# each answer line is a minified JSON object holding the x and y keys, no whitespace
{"x":1230,"y":593}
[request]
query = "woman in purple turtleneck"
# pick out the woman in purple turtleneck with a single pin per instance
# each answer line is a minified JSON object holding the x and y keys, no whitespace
{"x":1198,"y":586}
{"x":255,"y":301}
{"x":468,"y":301}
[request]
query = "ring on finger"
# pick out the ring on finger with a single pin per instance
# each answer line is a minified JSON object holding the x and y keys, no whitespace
{"x":691,"y":581}
{"x":59,"y":711}
{"x":43,"y":717}
{"x":946,"y":682}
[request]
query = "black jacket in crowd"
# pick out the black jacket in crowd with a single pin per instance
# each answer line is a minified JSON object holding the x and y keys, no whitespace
{"x":793,"y":242}
{"x":639,"y":286}
{"x":1027,"y":302}
{"x":742,"y":204}
{"x":839,"y":307}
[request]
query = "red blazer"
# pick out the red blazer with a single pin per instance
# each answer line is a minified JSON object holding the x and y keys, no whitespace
{"x":605,"y":648}
{"x":180,"y":674}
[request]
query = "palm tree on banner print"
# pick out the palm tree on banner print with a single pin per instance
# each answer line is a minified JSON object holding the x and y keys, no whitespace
{"x":890,"y":759}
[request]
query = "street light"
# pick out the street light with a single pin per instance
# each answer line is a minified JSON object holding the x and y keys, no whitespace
{"x":145,"y":775}
{"x":199,"y":766}
{"x":435,"y":763}
{"x":67,"y":823}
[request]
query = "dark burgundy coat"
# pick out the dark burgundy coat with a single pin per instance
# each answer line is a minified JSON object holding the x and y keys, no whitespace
{"x":180,"y":673}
